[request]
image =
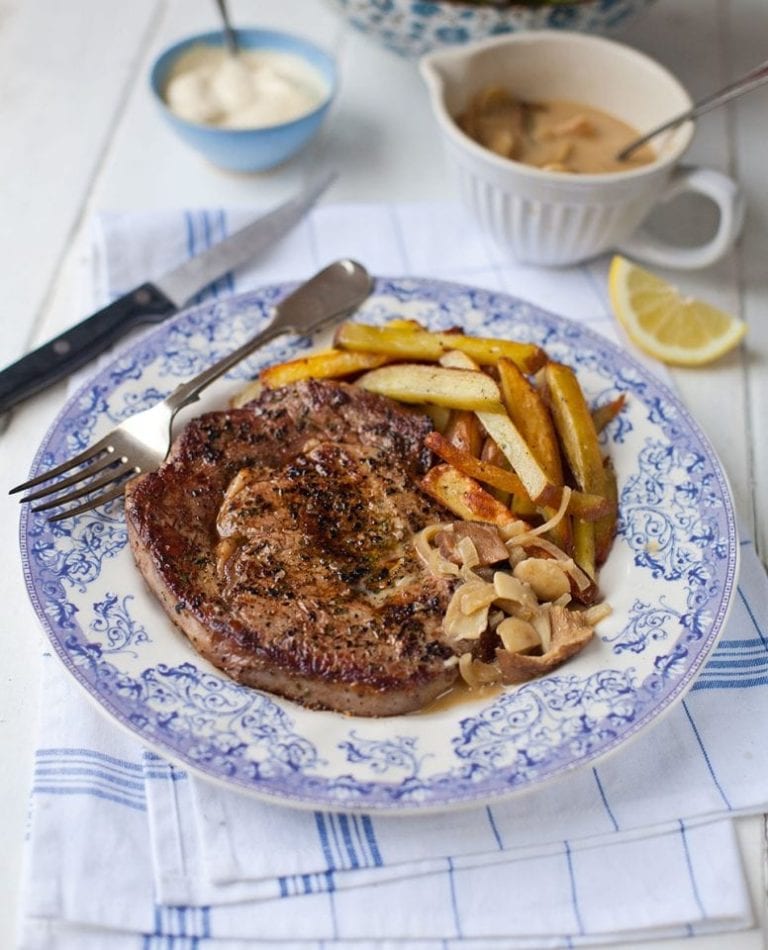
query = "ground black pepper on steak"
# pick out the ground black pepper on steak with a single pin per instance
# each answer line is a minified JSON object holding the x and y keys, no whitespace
{"x":278,"y":537}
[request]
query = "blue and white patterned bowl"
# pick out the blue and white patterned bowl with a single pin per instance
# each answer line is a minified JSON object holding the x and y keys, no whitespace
{"x":414,"y":27}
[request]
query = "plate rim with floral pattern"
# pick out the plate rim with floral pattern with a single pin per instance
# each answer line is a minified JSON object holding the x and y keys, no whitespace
{"x":670,"y":580}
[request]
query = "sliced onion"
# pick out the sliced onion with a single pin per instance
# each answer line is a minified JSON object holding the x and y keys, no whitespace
{"x":593,"y":615}
{"x":468,"y":552}
{"x":476,"y":674}
{"x":543,"y":626}
{"x":511,"y":588}
{"x":556,"y":518}
{"x":545,"y":576}
{"x":466,"y":671}
{"x":476,"y":595}
{"x":567,"y":563}
{"x":461,"y":626}
{"x":469,"y":576}
{"x":430,"y":556}
{"x":542,"y":544}
{"x":439,"y":565}
{"x":582,"y":580}
{"x":422,"y":539}
{"x":511,"y":529}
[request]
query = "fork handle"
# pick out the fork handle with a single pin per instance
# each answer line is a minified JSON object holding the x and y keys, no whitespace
{"x":332,"y":293}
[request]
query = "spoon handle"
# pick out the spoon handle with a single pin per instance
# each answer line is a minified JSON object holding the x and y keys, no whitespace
{"x":756,"y":77}
{"x":229,"y":34}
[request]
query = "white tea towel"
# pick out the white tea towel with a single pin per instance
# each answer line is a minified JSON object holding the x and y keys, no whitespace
{"x":92,"y":867}
{"x":636,"y":847}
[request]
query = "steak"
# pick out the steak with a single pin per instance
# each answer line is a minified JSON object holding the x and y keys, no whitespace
{"x":278,"y":537}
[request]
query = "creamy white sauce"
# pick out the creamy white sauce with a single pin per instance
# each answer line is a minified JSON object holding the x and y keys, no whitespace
{"x":254,"y":89}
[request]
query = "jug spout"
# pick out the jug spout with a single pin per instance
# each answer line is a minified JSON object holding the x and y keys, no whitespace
{"x":443,"y":71}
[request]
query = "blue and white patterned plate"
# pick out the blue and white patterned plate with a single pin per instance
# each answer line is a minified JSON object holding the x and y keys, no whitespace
{"x":669,"y":578}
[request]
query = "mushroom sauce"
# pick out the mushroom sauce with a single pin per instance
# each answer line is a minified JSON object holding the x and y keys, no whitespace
{"x":555,"y":135}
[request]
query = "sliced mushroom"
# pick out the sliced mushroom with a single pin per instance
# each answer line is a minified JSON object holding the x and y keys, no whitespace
{"x":461,"y":624}
{"x":514,"y":596}
{"x":485,"y":537}
{"x":545,"y":577}
{"x":518,"y":636}
{"x":570,"y":634}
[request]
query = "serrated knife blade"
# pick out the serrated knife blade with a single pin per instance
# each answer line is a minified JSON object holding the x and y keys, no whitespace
{"x":151,"y":302}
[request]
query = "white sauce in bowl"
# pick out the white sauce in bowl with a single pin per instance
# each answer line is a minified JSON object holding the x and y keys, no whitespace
{"x":254,"y":89}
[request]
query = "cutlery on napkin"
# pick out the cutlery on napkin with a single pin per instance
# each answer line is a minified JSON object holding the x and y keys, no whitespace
{"x":639,"y":846}
{"x":151,"y":301}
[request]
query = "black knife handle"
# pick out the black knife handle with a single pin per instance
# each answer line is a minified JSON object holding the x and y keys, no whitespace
{"x":72,"y":349}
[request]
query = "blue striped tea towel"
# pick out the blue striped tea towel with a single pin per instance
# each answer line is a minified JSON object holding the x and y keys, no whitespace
{"x":113,"y":823}
{"x":640,"y":846}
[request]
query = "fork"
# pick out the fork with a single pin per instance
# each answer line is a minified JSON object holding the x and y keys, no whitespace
{"x":141,"y":442}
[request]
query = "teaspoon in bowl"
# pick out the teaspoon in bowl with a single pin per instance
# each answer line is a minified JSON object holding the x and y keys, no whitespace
{"x":229,"y":34}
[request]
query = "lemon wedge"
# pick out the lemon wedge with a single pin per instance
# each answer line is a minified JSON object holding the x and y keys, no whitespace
{"x":662,"y":322}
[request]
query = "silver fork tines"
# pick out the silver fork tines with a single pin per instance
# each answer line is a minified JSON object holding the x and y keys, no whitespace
{"x":112,"y":478}
{"x":87,"y":506}
{"x":141,"y":442}
{"x":103,"y":462}
{"x":85,"y":456}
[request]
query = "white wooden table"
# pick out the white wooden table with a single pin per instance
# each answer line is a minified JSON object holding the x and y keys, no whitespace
{"x":79,"y":133}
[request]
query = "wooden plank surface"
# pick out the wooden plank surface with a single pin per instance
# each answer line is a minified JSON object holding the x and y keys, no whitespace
{"x":64,"y":71}
{"x":693,"y":46}
{"x":745,"y":28}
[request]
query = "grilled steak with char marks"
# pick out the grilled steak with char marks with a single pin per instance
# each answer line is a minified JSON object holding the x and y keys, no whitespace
{"x":278,"y":537}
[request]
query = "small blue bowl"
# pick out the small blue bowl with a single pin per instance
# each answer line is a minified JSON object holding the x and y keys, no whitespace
{"x":248,"y":150}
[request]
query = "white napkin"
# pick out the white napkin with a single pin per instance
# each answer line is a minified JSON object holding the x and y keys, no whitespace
{"x":126,"y":849}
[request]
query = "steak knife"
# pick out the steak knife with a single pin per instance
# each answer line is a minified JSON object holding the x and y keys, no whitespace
{"x":151,"y":302}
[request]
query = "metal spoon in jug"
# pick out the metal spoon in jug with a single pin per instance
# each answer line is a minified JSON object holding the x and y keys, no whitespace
{"x":747,"y":83}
